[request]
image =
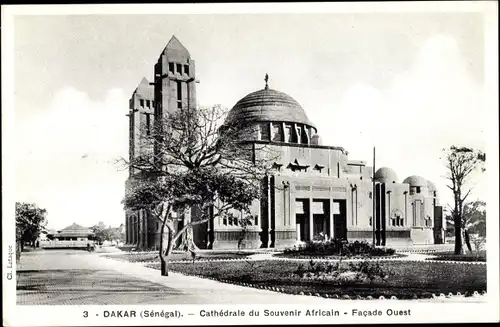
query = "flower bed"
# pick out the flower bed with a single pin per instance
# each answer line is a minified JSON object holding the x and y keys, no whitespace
{"x":404,"y":280}
{"x":338,"y":249}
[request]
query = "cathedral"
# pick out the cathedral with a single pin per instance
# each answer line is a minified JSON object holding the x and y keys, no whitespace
{"x":321,"y":193}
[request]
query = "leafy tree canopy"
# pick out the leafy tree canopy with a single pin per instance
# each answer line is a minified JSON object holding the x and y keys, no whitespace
{"x":105,"y":233}
{"x":461,"y":163}
{"x":30,"y":221}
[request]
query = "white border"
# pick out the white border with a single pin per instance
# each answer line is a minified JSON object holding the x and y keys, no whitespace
{"x":254,"y":8}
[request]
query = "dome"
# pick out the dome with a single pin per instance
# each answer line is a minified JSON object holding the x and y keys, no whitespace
{"x":268,"y":105}
{"x":386,"y":175}
{"x":416,"y":181}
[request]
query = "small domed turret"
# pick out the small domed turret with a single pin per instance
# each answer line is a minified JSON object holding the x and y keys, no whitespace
{"x":432,"y":188}
{"x":386,"y":175}
{"x":416,"y":181}
{"x":315,"y":139}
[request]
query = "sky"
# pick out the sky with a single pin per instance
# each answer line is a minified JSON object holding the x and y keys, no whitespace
{"x":409,"y":84}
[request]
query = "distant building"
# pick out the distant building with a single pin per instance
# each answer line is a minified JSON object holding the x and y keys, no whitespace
{"x":121,"y":229}
{"x":314,"y":189}
{"x":73,"y":236}
{"x":73,"y":232}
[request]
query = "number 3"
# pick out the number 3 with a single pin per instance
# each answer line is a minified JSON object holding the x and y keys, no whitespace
{"x":85,"y":314}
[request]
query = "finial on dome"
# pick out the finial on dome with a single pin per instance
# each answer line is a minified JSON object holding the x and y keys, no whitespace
{"x":266,"y":79}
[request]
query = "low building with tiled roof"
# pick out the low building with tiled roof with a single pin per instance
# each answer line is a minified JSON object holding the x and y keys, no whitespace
{"x":74,"y":232}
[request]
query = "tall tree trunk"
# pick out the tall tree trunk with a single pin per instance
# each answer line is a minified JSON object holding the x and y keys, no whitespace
{"x":241,"y":240}
{"x":187,"y":240}
{"x":166,"y":245}
{"x":18,"y":251}
{"x":467,"y":240}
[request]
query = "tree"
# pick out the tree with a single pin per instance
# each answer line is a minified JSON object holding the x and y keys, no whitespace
{"x":105,"y":233}
{"x":100,"y":232}
{"x":473,"y":221}
{"x":475,"y":217}
{"x":30,"y":222}
{"x":461,"y":163}
{"x":115,"y":234}
{"x":244,"y":222}
{"x":192,"y":160}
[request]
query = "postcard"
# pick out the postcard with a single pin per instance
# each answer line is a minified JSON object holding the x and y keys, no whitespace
{"x":266,"y":163}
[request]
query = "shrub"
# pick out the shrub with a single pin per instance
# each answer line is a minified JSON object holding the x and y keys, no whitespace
{"x":338,"y":273}
{"x":300,"y":271}
{"x":340,"y":248}
{"x":371,"y":270}
{"x":378,"y":252}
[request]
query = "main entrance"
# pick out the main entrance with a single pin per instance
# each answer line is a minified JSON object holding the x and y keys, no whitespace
{"x":339,"y":219}
{"x":320,"y":219}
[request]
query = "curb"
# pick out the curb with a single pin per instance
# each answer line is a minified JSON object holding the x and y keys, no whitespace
{"x":382,"y":259}
{"x":320,"y":260}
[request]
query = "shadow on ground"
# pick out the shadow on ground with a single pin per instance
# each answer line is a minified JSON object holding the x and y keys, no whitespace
{"x":68,"y":286}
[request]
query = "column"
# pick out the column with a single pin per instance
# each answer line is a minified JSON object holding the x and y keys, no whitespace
{"x":146,"y":234}
{"x":269,"y":212}
{"x":311,"y":223}
{"x":298,"y":231}
{"x":132,"y":229}
{"x":136,"y":227}
{"x":131,"y":225}
{"x":126,"y":228}
{"x":388,"y":222}
{"x":287,"y":211}
{"x":406,"y":209}
{"x":140,"y":221}
{"x":356,"y":206}
{"x":285,"y":206}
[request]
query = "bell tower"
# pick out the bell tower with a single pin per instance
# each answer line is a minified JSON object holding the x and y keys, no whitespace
{"x":174,"y":79}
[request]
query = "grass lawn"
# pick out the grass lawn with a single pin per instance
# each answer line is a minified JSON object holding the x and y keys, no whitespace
{"x":450,"y":256}
{"x":144,"y":257}
{"x":408,"y":278}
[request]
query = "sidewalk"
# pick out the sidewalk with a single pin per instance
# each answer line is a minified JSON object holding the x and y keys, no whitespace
{"x":209,"y":291}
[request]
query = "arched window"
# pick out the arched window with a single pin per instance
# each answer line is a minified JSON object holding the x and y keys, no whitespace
{"x":277,"y":134}
{"x":288,"y":133}
{"x":264,"y":132}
